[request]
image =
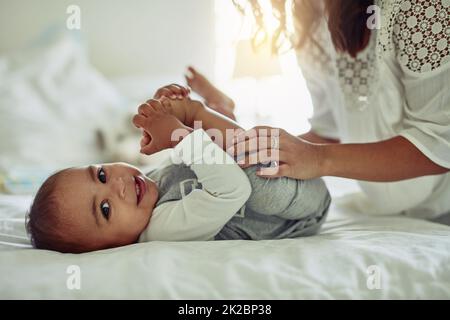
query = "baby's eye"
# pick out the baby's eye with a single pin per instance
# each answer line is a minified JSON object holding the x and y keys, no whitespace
{"x":101,"y":175}
{"x":104,"y":207}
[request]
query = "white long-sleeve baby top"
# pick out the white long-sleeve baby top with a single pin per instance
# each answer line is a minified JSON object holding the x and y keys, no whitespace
{"x":217,"y":191}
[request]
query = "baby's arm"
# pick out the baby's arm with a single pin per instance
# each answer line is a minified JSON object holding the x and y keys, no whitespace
{"x":202,"y":213}
{"x":195,"y":111}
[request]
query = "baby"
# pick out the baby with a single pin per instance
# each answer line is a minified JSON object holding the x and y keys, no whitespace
{"x":199,"y":192}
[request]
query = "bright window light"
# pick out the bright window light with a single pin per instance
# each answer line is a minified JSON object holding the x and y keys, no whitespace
{"x":280,"y":100}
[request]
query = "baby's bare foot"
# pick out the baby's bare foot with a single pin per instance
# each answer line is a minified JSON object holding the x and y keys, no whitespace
{"x":214,"y":98}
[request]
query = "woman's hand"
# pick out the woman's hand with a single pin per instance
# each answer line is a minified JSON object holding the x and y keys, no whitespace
{"x":172,"y":91}
{"x":291,"y":156}
{"x":161,"y":129}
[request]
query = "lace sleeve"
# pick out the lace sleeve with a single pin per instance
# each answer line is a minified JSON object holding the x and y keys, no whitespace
{"x":422,"y":34}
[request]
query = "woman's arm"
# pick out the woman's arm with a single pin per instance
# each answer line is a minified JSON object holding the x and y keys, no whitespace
{"x":313,"y":137}
{"x":386,"y":161}
{"x":390,"y":160}
{"x":199,"y":115}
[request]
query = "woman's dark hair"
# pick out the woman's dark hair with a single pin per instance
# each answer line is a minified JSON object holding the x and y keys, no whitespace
{"x":346,"y":22}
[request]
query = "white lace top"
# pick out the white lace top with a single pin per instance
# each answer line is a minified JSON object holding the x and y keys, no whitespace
{"x":399,"y":85}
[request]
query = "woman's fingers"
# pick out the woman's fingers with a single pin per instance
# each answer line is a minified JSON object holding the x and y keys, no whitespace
{"x":255,"y":132}
{"x":250,"y":145}
{"x":274,"y":172}
{"x":264,"y":156}
{"x":258,"y":138}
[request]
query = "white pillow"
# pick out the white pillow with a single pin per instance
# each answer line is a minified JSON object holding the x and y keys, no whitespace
{"x":54,"y":107}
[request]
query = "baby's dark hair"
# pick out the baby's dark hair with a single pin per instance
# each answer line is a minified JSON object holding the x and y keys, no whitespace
{"x":44,"y":222}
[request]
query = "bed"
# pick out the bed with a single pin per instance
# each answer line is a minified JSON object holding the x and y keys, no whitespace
{"x":356,"y":255}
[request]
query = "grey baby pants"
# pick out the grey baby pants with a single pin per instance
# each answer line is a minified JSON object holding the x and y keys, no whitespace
{"x":279,"y":208}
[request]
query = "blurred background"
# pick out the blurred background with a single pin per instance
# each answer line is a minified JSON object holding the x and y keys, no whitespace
{"x":73,"y":72}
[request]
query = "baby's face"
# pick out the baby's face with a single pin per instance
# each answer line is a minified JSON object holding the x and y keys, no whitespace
{"x":106,"y":205}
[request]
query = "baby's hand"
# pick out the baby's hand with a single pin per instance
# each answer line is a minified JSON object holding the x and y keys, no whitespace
{"x":158,"y":126}
{"x":172,"y":91}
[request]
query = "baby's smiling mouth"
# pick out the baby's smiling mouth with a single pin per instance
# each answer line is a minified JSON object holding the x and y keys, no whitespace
{"x":140,"y":189}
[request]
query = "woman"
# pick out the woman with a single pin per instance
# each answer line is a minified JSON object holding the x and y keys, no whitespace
{"x":381,"y":101}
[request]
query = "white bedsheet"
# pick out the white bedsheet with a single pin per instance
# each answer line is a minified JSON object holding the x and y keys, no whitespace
{"x":412,"y":258}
